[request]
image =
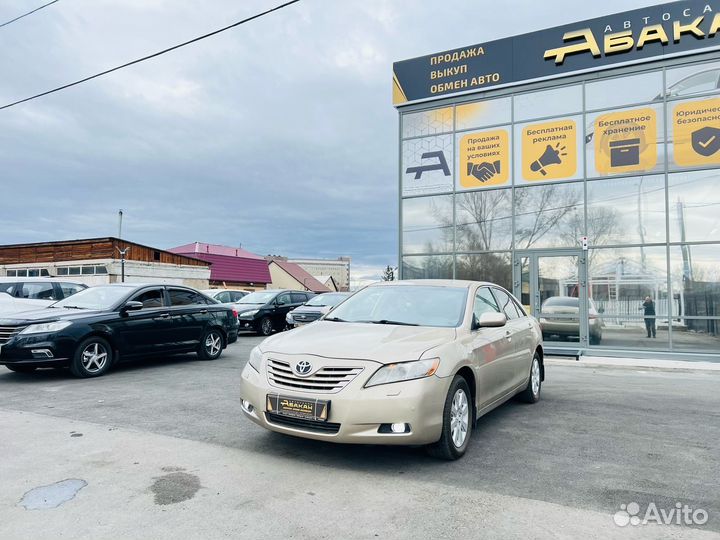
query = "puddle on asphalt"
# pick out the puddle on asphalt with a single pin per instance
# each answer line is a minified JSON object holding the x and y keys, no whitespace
{"x":175,"y":487}
{"x":53,"y":495}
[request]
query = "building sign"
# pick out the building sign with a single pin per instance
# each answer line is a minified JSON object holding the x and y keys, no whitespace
{"x":484,"y":159}
{"x":626,"y":141}
{"x":696,"y":132}
{"x":427,"y":165}
{"x":549,"y":150}
{"x":634,"y":36}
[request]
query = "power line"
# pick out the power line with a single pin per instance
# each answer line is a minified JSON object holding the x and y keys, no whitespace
{"x":148,"y":57}
{"x":28,"y":13}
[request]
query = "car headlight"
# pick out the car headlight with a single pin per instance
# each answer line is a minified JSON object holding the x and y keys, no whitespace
{"x":45,"y":328}
{"x":249,"y":313}
{"x":404,"y":371}
{"x":255,"y":359}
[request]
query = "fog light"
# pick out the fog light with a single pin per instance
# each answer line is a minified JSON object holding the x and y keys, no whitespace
{"x":247,"y":406}
{"x":397,"y":428}
{"x":42,"y":353}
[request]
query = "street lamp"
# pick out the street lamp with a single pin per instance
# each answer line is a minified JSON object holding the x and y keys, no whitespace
{"x":123,"y":252}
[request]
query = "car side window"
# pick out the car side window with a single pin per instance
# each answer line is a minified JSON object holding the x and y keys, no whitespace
{"x":182,"y":297}
{"x":38,"y":291}
{"x":235,"y":296}
{"x":223,"y":297}
{"x":298,"y":298}
{"x":68,"y":289}
{"x":484,"y":303}
{"x":7,"y":288}
{"x":506,"y":304}
{"x":150,"y":299}
{"x":284,"y":299}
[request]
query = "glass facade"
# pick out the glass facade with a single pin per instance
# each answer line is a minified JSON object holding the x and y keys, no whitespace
{"x":504,"y":188}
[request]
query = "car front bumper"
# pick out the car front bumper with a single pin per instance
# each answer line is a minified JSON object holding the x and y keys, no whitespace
{"x":41,"y":350}
{"x":355,"y":411}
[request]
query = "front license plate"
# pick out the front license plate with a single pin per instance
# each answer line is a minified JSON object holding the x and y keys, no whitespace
{"x":309,"y":409}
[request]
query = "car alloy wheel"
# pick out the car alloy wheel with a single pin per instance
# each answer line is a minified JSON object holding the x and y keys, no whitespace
{"x":266,"y":326}
{"x":94,"y":357}
{"x":213,"y":344}
{"x":459,"y":418}
{"x":535,"y":377}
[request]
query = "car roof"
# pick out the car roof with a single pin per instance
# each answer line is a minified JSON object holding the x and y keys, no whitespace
{"x":455,"y":283}
{"x":10,"y":279}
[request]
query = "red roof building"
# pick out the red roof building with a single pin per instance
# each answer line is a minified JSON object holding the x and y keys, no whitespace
{"x":229,"y":266}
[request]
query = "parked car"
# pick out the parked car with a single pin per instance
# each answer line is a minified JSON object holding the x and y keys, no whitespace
{"x":265,"y":311}
{"x":95,"y":328}
{"x":315,"y":308}
{"x":225,"y":296}
{"x":560,"y":316}
{"x":25,"y":293}
{"x":410,"y":363}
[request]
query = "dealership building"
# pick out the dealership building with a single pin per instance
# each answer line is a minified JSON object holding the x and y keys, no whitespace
{"x":579,"y":167}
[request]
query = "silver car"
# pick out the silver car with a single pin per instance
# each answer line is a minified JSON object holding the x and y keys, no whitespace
{"x":409,"y":363}
{"x":315,"y":308}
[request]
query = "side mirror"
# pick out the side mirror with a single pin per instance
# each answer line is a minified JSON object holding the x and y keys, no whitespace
{"x":489,"y":320}
{"x":131,"y":305}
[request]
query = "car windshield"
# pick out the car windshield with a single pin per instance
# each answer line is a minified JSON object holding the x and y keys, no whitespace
{"x":323,"y":300}
{"x":257,"y":298}
{"x":564,"y":301}
{"x":416,"y":305}
{"x":101,"y":297}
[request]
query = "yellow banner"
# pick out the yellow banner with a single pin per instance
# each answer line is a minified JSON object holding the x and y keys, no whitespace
{"x":549,"y":151}
{"x":626,"y":141}
{"x":485,"y":159}
{"x":696,"y":132}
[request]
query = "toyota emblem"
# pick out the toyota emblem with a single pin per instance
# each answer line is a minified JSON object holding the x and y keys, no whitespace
{"x":303,"y":367}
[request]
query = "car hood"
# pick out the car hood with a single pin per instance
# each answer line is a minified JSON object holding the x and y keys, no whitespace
{"x":383,"y":343}
{"x":46,"y":314}
{"x":311,"y":309}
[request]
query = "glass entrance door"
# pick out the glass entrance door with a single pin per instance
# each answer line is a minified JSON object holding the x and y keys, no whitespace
{"x":552,"y":287}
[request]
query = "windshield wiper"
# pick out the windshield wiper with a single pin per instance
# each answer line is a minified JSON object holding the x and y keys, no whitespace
{"x":73,"y":307}
{"x":334,"y":319}
{"x":386,"y":321}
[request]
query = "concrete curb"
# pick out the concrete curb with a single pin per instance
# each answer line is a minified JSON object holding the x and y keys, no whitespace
{"x":634,"y":363}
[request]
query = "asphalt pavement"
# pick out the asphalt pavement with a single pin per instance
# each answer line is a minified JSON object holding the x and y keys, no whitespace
{"x":159,"y":449}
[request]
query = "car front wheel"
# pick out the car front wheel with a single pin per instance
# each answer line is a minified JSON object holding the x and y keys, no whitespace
{"x":92,"y":358}
{"x":457,"y":422}
{"x":211,"y":345}
{"x":531,"y":394}
{"x":265,"y":327}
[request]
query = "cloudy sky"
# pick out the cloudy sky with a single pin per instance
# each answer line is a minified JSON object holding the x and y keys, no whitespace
{"x":278,"y":135}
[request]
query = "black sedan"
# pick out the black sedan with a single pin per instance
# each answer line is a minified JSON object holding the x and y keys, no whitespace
{"x":95,"y":328}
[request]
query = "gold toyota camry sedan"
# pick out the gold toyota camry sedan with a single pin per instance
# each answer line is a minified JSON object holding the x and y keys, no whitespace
{"x":409,"y":362}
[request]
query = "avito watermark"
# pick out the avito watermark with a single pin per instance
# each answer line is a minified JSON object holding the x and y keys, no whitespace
{"x":680,"y":514}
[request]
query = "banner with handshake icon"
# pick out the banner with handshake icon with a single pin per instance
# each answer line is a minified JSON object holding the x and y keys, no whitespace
{"x":484,"y":159}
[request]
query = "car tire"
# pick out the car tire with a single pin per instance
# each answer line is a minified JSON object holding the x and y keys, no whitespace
{"x":211,"y":345}
{"x":92,"y":358}
{"x":531,"y":394}
{"x":457,"y":416}
{"x":21,"y":368}
{"x":265,"y":327}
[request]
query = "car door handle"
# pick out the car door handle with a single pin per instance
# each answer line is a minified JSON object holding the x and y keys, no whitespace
{"x":163,"y":316}
{"x":203,"y":311}
{"x":508,"y":335}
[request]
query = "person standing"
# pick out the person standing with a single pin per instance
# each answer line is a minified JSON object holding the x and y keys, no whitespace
{"x":649,"y":308}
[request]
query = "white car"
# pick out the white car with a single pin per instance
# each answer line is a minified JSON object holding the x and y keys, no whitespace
{"x":27,"y":293}
{"x":225,"y":296}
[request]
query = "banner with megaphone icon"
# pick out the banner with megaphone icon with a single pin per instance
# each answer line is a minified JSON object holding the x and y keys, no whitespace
{"x":549,"y":150}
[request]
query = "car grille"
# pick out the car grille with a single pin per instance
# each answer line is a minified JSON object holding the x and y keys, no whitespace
{"x":9,"y":332}
{"x":326,"y":380}
{"x":306,"y":317}
{"x":301,"y":423}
